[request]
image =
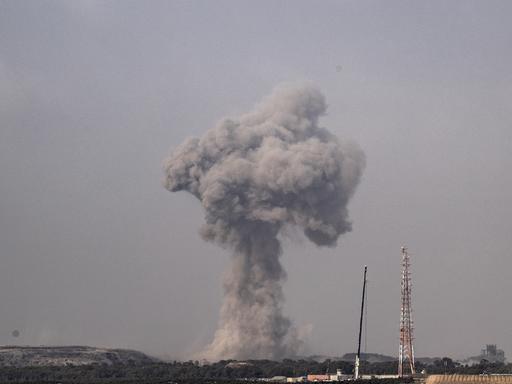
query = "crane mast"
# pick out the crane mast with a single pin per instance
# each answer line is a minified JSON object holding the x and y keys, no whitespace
{"x":358,"y":356}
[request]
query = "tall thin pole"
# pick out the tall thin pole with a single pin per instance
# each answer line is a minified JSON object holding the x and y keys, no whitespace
{"x":358,"y":357}
{"x":366,"y":321}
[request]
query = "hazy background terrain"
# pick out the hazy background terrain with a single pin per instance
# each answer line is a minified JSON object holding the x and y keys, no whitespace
{"x":94,"y":95}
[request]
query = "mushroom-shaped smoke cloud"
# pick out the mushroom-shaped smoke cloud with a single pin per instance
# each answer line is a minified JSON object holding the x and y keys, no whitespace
{"x":253,"y":175}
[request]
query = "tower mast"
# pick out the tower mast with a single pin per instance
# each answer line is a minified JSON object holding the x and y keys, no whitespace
{"x":358,"y":356}
{"x":406,"y":349}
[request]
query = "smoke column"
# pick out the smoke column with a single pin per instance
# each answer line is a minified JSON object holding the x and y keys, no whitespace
{"x":253,"y":175}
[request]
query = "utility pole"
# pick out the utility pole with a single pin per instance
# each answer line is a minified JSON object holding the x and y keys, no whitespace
{"x":358,"y":356}
{"x":406,"y":349}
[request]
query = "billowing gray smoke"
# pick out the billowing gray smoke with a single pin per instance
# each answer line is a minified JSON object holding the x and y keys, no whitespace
{"x":253,"y":175}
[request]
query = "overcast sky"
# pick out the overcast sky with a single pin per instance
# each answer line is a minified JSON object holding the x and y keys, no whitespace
{"x":94,"y":95}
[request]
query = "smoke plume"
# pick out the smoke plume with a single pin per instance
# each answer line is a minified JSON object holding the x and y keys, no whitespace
{"x":253,"y":175}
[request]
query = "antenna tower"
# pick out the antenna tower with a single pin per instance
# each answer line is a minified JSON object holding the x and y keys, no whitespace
{"x":406,"y":350}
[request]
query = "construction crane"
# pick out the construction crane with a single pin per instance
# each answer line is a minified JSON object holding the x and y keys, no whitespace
{"x":358,"y":356}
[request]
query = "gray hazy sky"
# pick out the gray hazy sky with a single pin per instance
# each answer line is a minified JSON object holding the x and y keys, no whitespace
{"x":94,"y":95}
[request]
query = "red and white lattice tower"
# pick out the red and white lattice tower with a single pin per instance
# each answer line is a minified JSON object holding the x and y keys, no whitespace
{"x":406,"y":351}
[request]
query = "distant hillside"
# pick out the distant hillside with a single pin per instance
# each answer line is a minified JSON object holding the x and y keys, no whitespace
{"x":369,"y":357}
{"x":12,"y":356}
{"x":350,"y":357}
{"x":378,"y":358}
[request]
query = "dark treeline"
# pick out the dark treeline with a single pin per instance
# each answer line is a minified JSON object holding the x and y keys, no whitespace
{"x":440,"y":366}
{"x":223,"y":371}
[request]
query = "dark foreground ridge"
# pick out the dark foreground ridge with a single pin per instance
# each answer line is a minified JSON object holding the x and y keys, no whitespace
{"x":148,"y":370}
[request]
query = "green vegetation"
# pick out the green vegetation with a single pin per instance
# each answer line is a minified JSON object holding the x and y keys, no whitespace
{"x":221,"y":372}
